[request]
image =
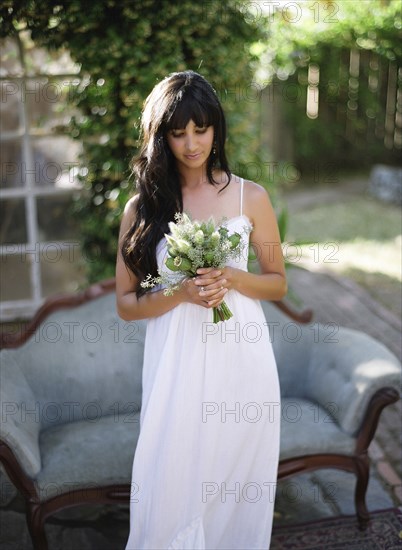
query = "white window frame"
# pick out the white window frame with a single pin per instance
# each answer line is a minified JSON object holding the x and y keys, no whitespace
{"x":33,"y":249}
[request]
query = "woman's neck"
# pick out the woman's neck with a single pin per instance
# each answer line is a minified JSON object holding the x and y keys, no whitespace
{"x":193,"y":178}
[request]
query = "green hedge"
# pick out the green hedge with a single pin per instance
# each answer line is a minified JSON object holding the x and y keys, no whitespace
{"x":124,"y":48}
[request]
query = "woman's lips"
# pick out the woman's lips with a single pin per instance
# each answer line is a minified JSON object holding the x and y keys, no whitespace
{"x":193,"y":157}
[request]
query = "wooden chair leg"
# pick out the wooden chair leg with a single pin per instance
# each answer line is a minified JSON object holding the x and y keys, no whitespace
{"x":362,"y":472}
{"x":36,"y":526}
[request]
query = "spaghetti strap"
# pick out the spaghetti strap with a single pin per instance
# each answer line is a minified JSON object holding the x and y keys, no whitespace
{"x":241,"y":196}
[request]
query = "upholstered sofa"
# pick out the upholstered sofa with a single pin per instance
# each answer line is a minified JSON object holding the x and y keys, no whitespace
{"x":71,"y":399}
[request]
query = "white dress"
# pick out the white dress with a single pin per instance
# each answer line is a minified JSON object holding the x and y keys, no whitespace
{"x":205,"y":466}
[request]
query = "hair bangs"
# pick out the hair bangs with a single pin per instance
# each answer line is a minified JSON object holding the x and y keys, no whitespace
{"x":188,"y":108}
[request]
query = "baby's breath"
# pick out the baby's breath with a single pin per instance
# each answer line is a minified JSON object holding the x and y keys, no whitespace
{"x":195,"y":244}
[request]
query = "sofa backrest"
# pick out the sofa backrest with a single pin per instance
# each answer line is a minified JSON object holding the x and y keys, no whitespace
{"x":18,"y":428}
{"x":291,"y":342}
{"x":83,"y":363}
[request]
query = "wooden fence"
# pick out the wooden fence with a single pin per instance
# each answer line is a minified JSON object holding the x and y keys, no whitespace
{"x":346,"y":109}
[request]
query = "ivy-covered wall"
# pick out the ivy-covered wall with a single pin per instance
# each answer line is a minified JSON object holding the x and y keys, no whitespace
{"x":124,"y":47}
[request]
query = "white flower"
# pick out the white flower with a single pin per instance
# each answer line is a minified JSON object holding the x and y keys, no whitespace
{"x":182,"y":246}
{"x":173,"y":229}
{"x":171,"y":241}
{"x":215,"y":238}
{"x":185,"y":219}
{"x":199,"y":237}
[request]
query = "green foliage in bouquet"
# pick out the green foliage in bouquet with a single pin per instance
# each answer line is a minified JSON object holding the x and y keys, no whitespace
{"x":191,"y":245}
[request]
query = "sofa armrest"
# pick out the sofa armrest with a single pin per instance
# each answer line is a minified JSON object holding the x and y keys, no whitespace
{"x":344,"y":374}
{"x":20,"y":415}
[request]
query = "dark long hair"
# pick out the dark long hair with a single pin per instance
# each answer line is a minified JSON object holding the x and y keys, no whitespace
{"x":179,"y":98}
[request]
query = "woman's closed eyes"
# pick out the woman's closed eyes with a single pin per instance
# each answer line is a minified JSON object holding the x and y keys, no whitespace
{"x":181,"y":133}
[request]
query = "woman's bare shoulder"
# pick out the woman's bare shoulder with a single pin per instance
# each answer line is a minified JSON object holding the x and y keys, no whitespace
{"x":131,"y":204}
{"x":129,"y":214}
{"x":256,"y":200}
{"x":255,"y":190}
{"x":252,"y":192}
{"x":130,"y":209}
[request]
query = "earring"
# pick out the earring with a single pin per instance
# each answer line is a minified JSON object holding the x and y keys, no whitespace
{"x":213,"y":155}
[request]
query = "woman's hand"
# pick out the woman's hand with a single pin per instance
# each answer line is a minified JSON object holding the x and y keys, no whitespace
{"x":207,"y":289}
{"x":215,"y":283}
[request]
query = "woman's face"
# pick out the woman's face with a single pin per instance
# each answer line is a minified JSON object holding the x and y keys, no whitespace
{"x":192,"y":145}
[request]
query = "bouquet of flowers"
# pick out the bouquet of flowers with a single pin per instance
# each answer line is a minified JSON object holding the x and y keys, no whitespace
{"x":191,"y":245}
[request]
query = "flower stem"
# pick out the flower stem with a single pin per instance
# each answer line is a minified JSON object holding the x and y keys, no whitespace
{"x":222,"y":313}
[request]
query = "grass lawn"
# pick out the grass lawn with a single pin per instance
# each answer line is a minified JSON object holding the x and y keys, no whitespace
{"x":353,"y":235}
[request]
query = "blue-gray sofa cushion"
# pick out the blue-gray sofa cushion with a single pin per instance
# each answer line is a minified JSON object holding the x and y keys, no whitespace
{"x":87,"y":454}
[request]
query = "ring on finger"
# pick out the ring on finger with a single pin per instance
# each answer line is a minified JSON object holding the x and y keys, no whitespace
{"x":202,"y":289}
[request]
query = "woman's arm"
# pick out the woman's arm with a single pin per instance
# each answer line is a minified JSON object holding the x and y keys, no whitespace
{"x":129,"y":307}
{"x":271,"y":283}
{"x":151,"y":304}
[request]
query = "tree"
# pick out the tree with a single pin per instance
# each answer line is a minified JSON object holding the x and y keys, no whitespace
{"x":124,"y":47}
